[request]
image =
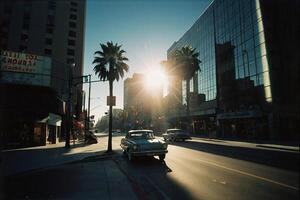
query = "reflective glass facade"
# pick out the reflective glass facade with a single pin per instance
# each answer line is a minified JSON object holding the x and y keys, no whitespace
{"x":238,"y":23}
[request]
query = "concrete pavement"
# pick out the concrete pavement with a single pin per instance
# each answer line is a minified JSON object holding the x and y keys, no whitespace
{"x":100,"y":179}
{"x":54,"y":172}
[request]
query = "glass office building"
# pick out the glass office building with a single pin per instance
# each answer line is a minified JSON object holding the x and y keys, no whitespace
{"x":240,"y":45}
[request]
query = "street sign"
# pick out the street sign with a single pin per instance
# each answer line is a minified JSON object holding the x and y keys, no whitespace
{"x":111,"y":100}
{"x":85,"y":79}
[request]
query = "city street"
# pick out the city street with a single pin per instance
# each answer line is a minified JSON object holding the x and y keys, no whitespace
{"x":200,"y":169}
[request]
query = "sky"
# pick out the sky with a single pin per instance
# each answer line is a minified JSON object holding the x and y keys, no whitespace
{"x":144,"y":28}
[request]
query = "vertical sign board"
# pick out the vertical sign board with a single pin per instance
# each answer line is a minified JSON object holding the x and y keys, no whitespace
{"x":111,"y":100}
{"x":25,"y":69}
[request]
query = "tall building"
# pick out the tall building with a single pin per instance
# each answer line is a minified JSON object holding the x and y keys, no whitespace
{"x":141,"y":106}
{"x":249,"y":69}
{"x":51,"y":31}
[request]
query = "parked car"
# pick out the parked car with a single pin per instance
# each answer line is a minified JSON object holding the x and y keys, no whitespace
{"x":143,"y":143}
{"x":116,"y":132}
{"x":176,"y":134}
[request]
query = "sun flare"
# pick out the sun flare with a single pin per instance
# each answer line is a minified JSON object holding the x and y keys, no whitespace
{"x":155,"y":78}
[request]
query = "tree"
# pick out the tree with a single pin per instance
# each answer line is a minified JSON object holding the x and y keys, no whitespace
{"x":183,"y":63}
{"x":110,"y":66}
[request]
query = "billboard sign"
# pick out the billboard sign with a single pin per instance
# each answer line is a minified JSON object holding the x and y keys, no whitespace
{"x":25,"y":69}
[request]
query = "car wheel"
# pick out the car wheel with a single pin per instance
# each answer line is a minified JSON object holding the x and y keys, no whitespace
{"x":162,"y":157}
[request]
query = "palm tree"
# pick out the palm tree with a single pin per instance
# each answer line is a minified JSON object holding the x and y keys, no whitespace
{"x":187,"y":64}
{"x":184,"y":63}
{"x":110,"y":66}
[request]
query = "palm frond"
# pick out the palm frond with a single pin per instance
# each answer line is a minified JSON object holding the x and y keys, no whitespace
{"x":110,"y":63}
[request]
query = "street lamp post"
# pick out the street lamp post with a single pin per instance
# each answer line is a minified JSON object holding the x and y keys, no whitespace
{"x":69,"y":111}
{"x":89,"y":103}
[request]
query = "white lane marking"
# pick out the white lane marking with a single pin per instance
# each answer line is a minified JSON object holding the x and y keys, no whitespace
{"x":251,"y":175}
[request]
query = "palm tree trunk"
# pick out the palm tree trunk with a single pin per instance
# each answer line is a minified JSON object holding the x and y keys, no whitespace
{"x":109,"y":146}
{"x":188,"y":103}
{"x":188,"y":98}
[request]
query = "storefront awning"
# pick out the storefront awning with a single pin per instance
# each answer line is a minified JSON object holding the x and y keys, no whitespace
{"x":52,"y":119}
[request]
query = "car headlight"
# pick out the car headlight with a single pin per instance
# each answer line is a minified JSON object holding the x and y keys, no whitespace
{"x":134,"y":147}
{"x":165,"y":145}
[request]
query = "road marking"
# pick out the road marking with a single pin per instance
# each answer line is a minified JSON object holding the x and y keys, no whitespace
{"x":251,"y":175}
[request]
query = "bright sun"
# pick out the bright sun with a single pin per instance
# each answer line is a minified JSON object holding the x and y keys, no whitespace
{"x":155,"y":78}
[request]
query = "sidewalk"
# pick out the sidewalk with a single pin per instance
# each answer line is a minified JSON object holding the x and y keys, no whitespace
{"x":54,"y":172}
{"x":288,"y":146}
{"x":99,"y":179}
{"x":21,"y":160}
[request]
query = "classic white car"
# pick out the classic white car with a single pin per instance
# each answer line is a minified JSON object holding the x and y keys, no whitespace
{"x":143,"y":143}
{"x":176,"y":134}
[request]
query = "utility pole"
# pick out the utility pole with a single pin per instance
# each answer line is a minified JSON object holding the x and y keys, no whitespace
{"x":69,"y":112}
{"x":89,"y":102}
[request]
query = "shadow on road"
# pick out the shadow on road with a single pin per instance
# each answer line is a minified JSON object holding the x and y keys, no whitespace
{"x":279,"y":159}
{"x":152,"y":177}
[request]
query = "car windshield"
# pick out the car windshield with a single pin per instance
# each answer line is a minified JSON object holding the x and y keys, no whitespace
{"x":142,"y":135}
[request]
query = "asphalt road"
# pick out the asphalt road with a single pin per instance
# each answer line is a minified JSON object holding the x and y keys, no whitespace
{"x":201,"y":170}
{"x":196,"y":169}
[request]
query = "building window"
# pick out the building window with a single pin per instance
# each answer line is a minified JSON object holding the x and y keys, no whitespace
{"x":72,"y":24}
{"x":72,"y":16}
{"x":49,"y":30}
{"x":26,"y":16}
{"x":50,"y":20}
{"x":71,"y":42}
{"x":71,"y":52}
{"x":25,"y":26}
{"x":72,"y":33}
{"x":73,"y":9}
{"x":74,"y":3}
{"x":51,"y":5}
{"x":24,"y":37}
{"x":70,"y":60}
{"x":48,"y":51}
{"x":48,"y":41}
